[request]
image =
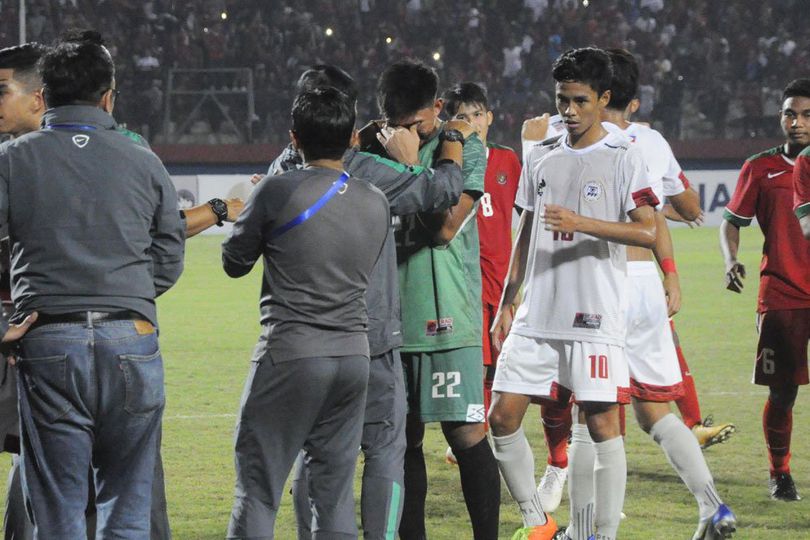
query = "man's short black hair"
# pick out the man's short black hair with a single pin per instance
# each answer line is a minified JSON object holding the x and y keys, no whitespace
{"x":77,"y":71}
{"x":23,"y":60}
{"x":624,"y":85}
{"x":406,"y":87}
{"x":588,"y":65}
{"x":465,"y":92}
{"x":327,"y":75}
{"x":797,"y":88}
{"x":323,"y":121}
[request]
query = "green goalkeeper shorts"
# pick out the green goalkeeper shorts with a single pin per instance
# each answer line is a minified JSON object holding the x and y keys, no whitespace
{"x":445,"y":386}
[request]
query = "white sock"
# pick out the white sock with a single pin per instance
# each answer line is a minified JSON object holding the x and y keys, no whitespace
{"x":516,"y":462}
{"x":684,"y":454}
{"x":610,"y":480}
{"x":581,"y":457}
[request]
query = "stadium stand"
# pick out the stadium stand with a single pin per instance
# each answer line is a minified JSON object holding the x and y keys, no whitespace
{"x":710,"y":69}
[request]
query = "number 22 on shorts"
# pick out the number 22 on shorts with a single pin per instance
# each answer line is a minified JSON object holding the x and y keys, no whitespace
{"x":444,"y":384}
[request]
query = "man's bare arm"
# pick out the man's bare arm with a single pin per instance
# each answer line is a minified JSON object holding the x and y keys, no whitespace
{"x":639,"y":232}
{"x":729,"y":246}
{"x":804,"y":221}
{"x":202,"y":217}
{"x":687,"y":205}
{"x":515,"y":275}
{"x":665,"y":255}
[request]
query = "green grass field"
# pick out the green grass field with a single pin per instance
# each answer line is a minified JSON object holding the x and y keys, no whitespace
{"x":209,"y":325}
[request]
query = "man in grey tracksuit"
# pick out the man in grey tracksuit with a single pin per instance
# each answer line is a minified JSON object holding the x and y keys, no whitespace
{"x":319,"y":232}
{"x":409,"y":190}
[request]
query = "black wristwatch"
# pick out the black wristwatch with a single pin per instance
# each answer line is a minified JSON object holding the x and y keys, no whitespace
{"x":220,"y":209}
{"x":452,"y":135}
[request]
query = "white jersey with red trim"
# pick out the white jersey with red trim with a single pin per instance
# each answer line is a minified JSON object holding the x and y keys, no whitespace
{"x":556,"y":127}
{"x":664,"y":168}
{"x":575,"y":284}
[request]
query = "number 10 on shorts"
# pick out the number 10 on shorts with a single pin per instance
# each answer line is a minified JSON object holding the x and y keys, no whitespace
{"x":599,"y":366}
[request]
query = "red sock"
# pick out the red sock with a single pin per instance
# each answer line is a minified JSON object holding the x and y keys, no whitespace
{"x":557,"y":427}
{"x":688,"y":403}
{"x":777,"y":423}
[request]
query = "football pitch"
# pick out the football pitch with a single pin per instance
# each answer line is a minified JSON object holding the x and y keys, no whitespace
{"x":209,"y":325}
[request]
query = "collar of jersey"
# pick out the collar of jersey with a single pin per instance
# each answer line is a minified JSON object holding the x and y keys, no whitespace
{"x":78,"y":114}
{"x":598,"y":144}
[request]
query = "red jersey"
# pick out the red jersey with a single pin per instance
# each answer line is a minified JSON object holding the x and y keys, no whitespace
{"x":495,"y":219}
{"x":765,"y":191}
{"x":801,"y":184}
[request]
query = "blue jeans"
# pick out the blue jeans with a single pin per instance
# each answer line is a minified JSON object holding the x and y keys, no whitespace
{"x":90,"y":394}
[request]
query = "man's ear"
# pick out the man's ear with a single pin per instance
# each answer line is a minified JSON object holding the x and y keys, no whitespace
{"x":437,"y":105}
{"x":354,"y":141}
{"x":633,"y":106}
{"x":37,"y":102}
{"x":107,"y":102}
{"x":490,"y":118}
{"x":604,"y":99}
{"x":293,"y":139}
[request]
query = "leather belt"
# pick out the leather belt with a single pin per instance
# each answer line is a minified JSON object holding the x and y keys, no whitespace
{"x":83,"y":316}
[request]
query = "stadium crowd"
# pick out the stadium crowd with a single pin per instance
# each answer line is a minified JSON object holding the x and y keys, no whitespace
{"x":390,"y":290}
{"x":508,"y":46}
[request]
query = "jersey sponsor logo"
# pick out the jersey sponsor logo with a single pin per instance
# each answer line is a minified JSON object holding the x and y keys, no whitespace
{"x":441,"y":327}
{"x":774,"y":175}
{"x":501,"y":178}
{"x":475,"y":413}
{"x":81,"y":140}
{"x":591,"y":321}
{"x":592,"y":191}
{"x":540,"y":187}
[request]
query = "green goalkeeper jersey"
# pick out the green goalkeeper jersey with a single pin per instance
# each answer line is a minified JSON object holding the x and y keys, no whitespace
{"x":441,"y":286}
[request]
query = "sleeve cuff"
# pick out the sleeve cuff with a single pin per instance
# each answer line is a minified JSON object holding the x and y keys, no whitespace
{"x":802,"y":210}
{"x":734,"y":219}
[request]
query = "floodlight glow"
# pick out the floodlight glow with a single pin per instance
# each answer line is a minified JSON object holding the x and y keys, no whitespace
{"x":329,"y":32}
{"x":389,"y":40}
{"x":224,"y":15}
{"x":437,"y":56}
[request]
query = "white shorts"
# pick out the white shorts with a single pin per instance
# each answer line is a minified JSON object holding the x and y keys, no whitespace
{"x":554,"y":369}
{"x":655,"y":374}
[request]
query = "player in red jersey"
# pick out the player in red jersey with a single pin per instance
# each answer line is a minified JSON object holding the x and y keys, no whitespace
{"x":468,"y":101}
{"x":801,"y":186}
{"x":765,"y":191}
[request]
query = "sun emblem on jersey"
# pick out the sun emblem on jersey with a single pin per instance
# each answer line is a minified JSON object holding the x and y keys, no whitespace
{"x":501,"y":178}
{"x":592,"y":191}
{"x":540,"y":187}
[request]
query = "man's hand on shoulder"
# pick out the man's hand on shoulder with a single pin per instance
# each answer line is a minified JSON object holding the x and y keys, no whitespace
{"x":535,"y":129}
{"x":235,"y":207}
{"x":735,"y":273}
{"x":463,"y":126}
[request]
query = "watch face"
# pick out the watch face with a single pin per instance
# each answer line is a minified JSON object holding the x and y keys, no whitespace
{"x":219,"y":207}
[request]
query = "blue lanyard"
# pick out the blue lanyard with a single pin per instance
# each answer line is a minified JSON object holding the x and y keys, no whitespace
{"x":79,"y":127}
{"x":312,"y":210}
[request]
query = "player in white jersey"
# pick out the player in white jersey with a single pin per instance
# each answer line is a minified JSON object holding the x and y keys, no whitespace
{"x":655,"y":375}
{"x":568,"y":334}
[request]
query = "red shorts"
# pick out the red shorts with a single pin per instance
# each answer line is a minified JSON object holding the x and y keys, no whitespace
{"x":782,"y":347}
{"x":490,"y":354}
